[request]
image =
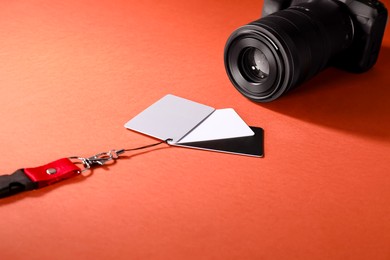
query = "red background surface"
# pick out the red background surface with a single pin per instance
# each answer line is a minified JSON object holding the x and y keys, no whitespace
{"x":73,"y":72}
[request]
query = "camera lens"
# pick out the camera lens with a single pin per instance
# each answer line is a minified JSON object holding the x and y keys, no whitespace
{"x":274,"y":54}
{"x":254,"y":64}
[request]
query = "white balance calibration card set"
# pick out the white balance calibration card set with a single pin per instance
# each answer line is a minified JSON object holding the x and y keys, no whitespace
{"x":194,"y":125}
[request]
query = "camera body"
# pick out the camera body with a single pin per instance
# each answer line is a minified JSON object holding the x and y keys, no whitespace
{"x":369,"y":20}
{"x":296,"y":39}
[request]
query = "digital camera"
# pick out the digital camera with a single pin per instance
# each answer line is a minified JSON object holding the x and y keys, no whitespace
{"x":296,"y":39}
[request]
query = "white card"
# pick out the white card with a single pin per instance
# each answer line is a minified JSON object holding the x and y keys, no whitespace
{"x":221,"y":124}
{"x":171,"y":117}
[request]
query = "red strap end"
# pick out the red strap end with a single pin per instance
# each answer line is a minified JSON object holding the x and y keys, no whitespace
{"x":52,"y":172}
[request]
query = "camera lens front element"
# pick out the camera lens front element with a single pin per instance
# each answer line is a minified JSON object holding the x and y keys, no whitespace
{"x":254,"y":65}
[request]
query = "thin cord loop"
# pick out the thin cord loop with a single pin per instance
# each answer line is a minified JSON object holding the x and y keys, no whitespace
{"x":147,"y":146}
{"x":102,"y":158}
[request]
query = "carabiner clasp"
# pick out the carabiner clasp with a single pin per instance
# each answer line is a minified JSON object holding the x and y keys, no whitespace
{"x":98,"y":159}
{"x":102,"y":158}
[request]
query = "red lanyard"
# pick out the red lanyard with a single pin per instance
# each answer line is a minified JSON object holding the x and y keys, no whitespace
{"x":38,"y":177}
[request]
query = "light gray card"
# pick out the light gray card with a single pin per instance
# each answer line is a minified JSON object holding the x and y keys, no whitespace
{"x":171,"y":117}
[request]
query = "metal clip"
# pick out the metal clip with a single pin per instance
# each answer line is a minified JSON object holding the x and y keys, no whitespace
{"x":102,"y":158}
{"x":98,"y":159}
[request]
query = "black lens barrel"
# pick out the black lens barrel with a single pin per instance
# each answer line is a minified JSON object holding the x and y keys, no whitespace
{"x":298,"y":42}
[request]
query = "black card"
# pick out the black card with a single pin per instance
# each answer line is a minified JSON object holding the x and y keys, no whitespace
{"x":250,"y":145}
